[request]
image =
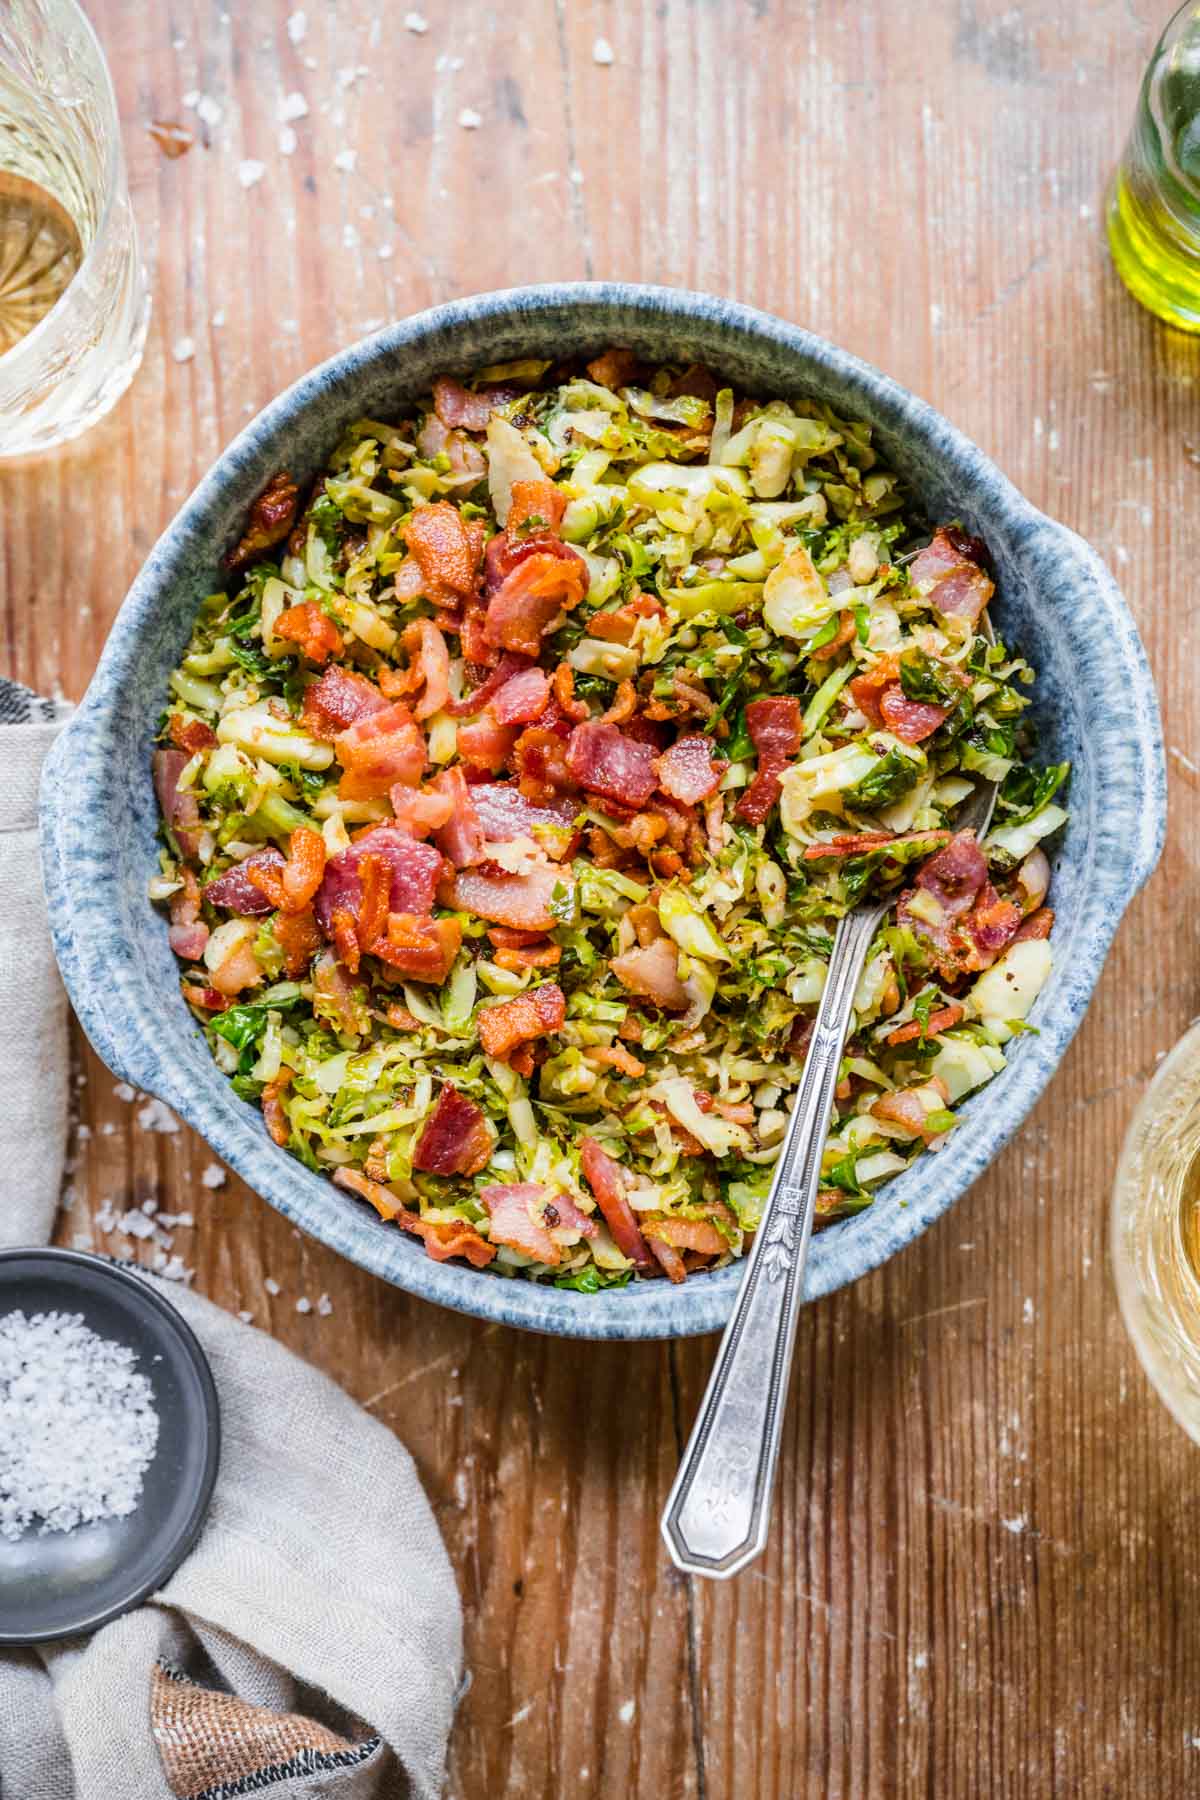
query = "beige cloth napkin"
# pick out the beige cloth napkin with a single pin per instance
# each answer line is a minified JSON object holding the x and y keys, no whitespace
{"x":310,"y":1646}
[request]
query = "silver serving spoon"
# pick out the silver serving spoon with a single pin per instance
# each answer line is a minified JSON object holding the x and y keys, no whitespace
{"x":719,"y":1507}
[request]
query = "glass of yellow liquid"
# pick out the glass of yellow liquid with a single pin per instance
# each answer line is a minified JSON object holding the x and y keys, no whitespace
{"x":1155,"y":1239}
{"x":73,"y":301}
{"x":1154,"y":206}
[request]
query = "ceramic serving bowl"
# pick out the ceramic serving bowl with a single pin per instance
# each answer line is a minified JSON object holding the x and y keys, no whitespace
{"x":1094,"y":703}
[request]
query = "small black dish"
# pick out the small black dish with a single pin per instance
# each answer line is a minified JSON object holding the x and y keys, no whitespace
{"x":58,"y":1584}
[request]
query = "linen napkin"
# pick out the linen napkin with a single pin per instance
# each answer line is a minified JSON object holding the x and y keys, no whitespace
{"x":310,"y":1645}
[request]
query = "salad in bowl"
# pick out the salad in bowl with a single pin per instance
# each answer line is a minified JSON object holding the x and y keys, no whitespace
{"x":514,"y":782}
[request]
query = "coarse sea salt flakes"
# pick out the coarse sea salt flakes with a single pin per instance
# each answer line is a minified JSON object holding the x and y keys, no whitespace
{"x":415,"y":21}
{"x":292,"y":106}
{"x":250,"y":172}
{"x":154,"y":1116}
{"x":602,"y":52}
{"x":469,"y":119}
{"x":297,"y":25}
{"x":345,"y":160}
{"x":271,"y":1285}
{"x":183,"y":350}
{"x":212,"y":1176}
{"x":78,"y":1426}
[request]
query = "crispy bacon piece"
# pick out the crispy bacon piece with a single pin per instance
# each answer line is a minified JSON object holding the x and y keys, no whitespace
{"x":542,"y":956}
{"x":277,"y":1121}
{"x":843,"y":636}
{"x":774,"y":727}
{"x":504,"y":813}
{"x":344,"y":932}
{"x":912,"y":721}
{"x":299,"y":940}
{"x":614,"y":369}
{"x":522,"y":699}
{"x":860,"y":843}
{"x":477,"y":699}
{"x":531,"y":597}
{"x":615,"y":1056}
{"x":371,"y":920}
{"x":604,"y":761}
{"x":338,"y":700}
{"x":191,"y":734}
{"x":179,"y":807}
{"x":686,"y":1234}
{"x":867,"y":688}
{"x":304,"y":868}
{"x":562,"y":1214}
{"x":379,"y":751}
{"x":949,"y":573}
{"x":239,"y":970}
{"x":271,"y":518}
{"x":430,"y":662}
{"x":955,"y":875}
{"x":669,"y":1259}
{"x":1039,"y":924}
{"x":485,"y":743}
{"x":188,"y":941}
{"x":206,"y":998}
{"x":689,"y":771}
{"x":421,"y":948}
{"x":539,"y":758}
{"x":563,"y":687}
{"x":314,"y":631}
{"x":437,"y":536}
{"x":420,"y":811}
{"x":624,"y":705}
{"x":512,"y":1206}
{"x":535,"y":506}
{"x":455,"y":1139}
{"x":237,"y":891}
{"x":469,"y":409}
{"x":606,"y":1178}
{"x":651,"y":971}
{"x":522,"y":1020}
{"x":942,"y":1020}
{"x":415,"y":868}
{"x":906,"y":1108}
{"x":460,"y":838}
{"x":991,"y":925}
{"x":442,"y":1241}
{"x":522,"y":901}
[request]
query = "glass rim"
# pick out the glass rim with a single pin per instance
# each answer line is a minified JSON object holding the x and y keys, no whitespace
{"x":111,"y":176}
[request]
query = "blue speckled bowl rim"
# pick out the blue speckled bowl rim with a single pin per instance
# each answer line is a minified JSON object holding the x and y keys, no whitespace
{"x":134,"y":1028}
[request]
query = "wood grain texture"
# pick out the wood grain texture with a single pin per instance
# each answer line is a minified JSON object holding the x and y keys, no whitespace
{"x":984,"y":1576}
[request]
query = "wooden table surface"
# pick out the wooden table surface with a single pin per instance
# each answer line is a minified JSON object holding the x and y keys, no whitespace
{"x":984,"y":1573}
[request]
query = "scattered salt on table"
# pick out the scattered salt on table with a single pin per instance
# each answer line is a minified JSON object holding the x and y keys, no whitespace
{"x":78,"y":1426}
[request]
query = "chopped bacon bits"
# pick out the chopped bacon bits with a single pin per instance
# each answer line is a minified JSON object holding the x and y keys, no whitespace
{"x":607,"y":1180}
{"x":942,"y":1020}
{"x":310,"y":628}
{"x":378,"y":751}
{"x":774,"y":727}
{"x":535,"y":506}
{"x":515,"y":1209}
{"x":337,"y":701}
{"x":437,"y":537}
{"x":522,"y":699}
{"x":299,"y":939}
{"x":1039,"y":924}
{"x":521,"y":1020}
{"x":422,"y":949}
{"x":603,"y":760}
{"x":531,"y":598}
{"x":615,"y":369}
{"x":456,"y":1138}
{"x":689,"y":771}
{"x":949,"y":574}
{"x":271,"y":518}
{"x":522,"y":901}
{"x":191,"y":735}
{"x":415,"y":871}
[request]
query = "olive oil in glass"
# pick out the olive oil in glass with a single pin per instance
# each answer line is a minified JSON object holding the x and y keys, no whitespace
{"x":1154,"y":205}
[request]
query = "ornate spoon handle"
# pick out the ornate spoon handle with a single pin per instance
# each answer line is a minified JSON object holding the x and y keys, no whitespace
{"x":718,"y":1509}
